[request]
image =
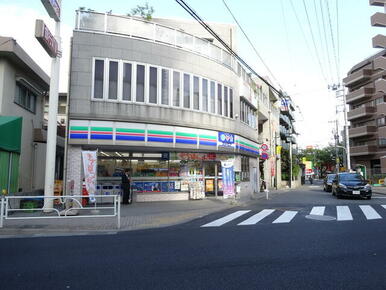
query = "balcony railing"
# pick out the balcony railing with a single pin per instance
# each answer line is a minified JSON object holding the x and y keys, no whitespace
{"x":379,"y":41}
{"x":361,"y":112}
{"x":362,"y":131}
{"x":378,"y":19}
{"x":377,"y":2}
{"x":357,"y":77}
{"x":357,"y":95}
{"x":149,"y":31}
{"x":363,"y":150}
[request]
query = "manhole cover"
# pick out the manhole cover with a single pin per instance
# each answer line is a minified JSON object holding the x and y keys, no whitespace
{"x":320,"y":217}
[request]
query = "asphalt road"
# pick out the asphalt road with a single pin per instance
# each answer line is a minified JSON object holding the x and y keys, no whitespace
{"x":301,"y":254}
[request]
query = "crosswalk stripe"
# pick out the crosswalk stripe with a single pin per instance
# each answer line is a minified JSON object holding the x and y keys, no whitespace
{"x":343,"y":213}
{"x":369,"y":212}
{"x":286,"y":217}
{"x":384,"y":206}
{"x":225,"y":219}
{"x":257,"y":217}
{"x":318,"y":210}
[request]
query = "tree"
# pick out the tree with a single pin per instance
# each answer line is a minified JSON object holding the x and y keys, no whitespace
{"x":285,"y":165}
{"x":323,"y":159}
{"x":145,"y":11}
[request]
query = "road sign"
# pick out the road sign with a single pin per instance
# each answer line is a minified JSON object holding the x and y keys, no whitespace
{"x":264,"y":156}
{"x":53,"y":9}
{"x":264,"y":147}
{"x":46,"y":39}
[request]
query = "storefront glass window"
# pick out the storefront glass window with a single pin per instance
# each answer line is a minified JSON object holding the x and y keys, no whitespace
{"x":140,"y":83}
{"x":205,"y":95}
{"x":212,"y":97}
{"x":186,"y":91}
{"x":219,"y":99}
{"x":98,"y":78}
{"x":225,"y":101}
{"x":196,"y":93}
{"x":230,"y":103}
{"x":176,"y":89}
{"x":126,"y":96}
{"x":149,"y":168}
{"x":113,"y":80}
{"x":165,"y":87}
{"x":153,"y":85}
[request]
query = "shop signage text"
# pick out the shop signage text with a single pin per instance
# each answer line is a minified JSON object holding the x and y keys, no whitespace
{"x":53,"y":9}
{"x":226,"y":139}
{"x":46,"y":39}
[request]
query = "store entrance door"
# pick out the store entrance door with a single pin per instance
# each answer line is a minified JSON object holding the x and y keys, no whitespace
{"x":212,"y":178}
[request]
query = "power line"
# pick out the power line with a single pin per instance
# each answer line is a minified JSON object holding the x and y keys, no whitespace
{"x":250,"y":42}
{"x":325,"y":55}
{"x":337,"y":37}
{"x":230,"y":50}
{"x":325,"y":37}
{"x":313,"y":41}
{"x":301,"y":29}
{"x":332,"y":40}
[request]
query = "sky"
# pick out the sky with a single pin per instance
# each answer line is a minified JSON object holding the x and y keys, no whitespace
{"x":280,"y":30}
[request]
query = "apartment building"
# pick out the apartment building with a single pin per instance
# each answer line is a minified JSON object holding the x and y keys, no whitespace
{"x":366,"y":86}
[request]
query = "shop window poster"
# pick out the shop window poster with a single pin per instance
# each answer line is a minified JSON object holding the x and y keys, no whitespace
{"x":228,"y":179}
{"x":152,"y":186}
{"x":138,"y":186}
{"x":167,"y":186}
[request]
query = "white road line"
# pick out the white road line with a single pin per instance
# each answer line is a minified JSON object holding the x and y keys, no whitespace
{"x":225,"y":219}
{"x":286,"y":217}
{"x":384,"y":206}
{"x":257,"y":217}
{"x":318,"y":210}
{"x":369,"y":212}
{"x":343,"y":213}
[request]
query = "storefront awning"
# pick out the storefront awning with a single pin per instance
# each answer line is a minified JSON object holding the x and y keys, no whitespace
{"x":10,"y":133}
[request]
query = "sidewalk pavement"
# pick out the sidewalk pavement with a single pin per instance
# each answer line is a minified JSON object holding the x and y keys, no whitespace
{"x":136,"y":216}
{"x":379,"y":189}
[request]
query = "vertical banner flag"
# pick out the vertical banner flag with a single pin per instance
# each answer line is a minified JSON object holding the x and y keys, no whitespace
{"x":90,"y":172}
{"x":228,"y":178}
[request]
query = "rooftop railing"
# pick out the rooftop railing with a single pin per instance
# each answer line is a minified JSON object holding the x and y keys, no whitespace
{"x":150,"y":31}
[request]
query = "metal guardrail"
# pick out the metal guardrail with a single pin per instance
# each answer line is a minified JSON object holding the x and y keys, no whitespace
{"x":154,"y":32}
{"x":60,"y":212}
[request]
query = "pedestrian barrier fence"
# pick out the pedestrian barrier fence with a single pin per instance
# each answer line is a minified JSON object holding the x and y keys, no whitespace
{"x":65,"y":207}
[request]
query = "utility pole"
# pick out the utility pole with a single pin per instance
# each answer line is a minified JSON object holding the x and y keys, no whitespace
{"x":348,"y":161}
{"x":336,"y":136}
{"x":338,"y":88}
{"x":290,"y":157}
{"x":53,"y":8}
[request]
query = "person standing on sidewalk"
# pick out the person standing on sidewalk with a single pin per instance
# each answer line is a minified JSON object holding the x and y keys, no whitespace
{"x":126,"y":186}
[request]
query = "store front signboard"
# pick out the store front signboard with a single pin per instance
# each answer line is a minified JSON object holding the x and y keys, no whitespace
{"x":228,"y":178}
{"x":45,"y":38}
{"x":226,"y":139}
{"x":53,"y":9}
{"x":149,"y":135}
